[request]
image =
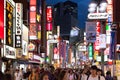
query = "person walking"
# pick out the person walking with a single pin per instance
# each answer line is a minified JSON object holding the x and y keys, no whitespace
{"x":8,"y":75}
{"x":108,"y":76}
{"x":17,"y":75}
{"x":33,"y":75}
{"x":83,"y":75}
{"x":93,"y":75}
{"x":45,"y":76}
{"x":2,"y":76}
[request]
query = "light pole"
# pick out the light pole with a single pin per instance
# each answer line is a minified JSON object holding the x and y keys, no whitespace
{"x":43,"y":29}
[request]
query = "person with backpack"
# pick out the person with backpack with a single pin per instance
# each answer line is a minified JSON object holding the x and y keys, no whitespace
{"x":83,"y":75}
{"x":108,"y":76}
{"x":93,"y":74}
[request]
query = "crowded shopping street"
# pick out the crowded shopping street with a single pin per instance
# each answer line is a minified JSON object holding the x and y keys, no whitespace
{"x":59,"y":39}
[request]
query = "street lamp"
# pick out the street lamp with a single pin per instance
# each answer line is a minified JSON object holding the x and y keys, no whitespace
{"x":101,"y":4}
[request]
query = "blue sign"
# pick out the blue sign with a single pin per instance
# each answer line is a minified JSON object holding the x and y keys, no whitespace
{"x":112,"y":45}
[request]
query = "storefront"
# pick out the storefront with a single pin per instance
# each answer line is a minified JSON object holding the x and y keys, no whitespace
{"x":8,"y":58}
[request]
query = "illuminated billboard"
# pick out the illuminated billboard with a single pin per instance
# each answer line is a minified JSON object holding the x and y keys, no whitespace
{"x":32,"y":2}
{"x":9,"y":24}
{"x":49,"y":13}
{"x":18,"y":32}
{"x":33,"y":31}
{"x":2,"y":19}
{"x":33,"y":26}
{"x":49,"y":26}
{"x":32,"y":17}
{"x":18,"y":18}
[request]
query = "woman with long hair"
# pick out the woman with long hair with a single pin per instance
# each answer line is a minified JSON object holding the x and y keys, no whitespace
{"x":64,"y":75}
{"x":44,"y":76}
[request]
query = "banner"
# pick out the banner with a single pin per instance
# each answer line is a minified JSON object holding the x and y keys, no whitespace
{"x":112,"y":45}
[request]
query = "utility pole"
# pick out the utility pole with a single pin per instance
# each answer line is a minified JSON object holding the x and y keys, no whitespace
{"x":43,"y":29}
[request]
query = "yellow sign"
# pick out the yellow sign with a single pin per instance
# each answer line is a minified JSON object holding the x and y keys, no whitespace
{"x":117,"y":67}
{"x":95,"y":54}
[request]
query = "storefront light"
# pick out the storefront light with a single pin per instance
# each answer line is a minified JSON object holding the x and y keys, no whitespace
{"x":52,"y":36}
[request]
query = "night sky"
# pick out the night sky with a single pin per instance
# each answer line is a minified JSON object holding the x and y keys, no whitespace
{"x":82,"y":9}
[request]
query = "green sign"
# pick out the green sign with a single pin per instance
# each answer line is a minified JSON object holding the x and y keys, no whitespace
{"x":90,"y":51}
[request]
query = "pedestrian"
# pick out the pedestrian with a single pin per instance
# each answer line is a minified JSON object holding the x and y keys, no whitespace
{"x":33,"y":75}
{"x":83,"y":75}
{"x":71,"y":75}
{"x":100,"y":72}
{"x":108,"y":76}
{"x":64,"y":75}
{"x":93,"y":75}
{"x":115,"y":78}
{"x":45,"y":76}
{"x":8,"y":75}
{"x":2,"y":77}
{"x":17,"y":75}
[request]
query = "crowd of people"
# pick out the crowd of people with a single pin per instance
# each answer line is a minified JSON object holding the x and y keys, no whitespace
{"x":50,"y":73}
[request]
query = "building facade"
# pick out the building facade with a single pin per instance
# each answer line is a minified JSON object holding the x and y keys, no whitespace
{"x":66,"y":16}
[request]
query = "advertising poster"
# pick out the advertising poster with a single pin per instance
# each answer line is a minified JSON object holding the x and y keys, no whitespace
{"x":33,"y":32}
{"x":25,"y":47}
{"x":91,"y":31}
{"x":102,"y":41}
{"x":10,"y":52}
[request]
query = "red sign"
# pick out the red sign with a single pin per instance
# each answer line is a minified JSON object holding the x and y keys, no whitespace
{"x":96,"y":46}
{"x":98,"y":28}
{"x":32,"y":17}
{"x":33,"y":30}
{"x":55,"y":50}
{"x":49,"y":13}
{"x":49,"y":26}
{"x":2,"y":19}
{"x":32,"y":2}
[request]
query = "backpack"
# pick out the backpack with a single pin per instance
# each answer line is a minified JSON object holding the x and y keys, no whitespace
{"x":75,"y":76}
{"x":89,"y":76}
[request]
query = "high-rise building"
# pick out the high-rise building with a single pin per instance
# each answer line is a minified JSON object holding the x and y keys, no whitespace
{"x":66,"y":16}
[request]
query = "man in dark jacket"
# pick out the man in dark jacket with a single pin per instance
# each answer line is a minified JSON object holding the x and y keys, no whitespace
{"x":108,"y":76}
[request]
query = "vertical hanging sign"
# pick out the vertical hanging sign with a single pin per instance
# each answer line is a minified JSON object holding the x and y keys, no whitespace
{"x":112,"y":45}
{"x":90,"y":51}
{"x":18,"y":32}
{"x":2,"y":19}
{"x":9,"y":24}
